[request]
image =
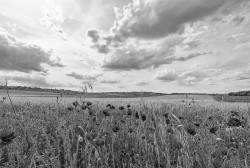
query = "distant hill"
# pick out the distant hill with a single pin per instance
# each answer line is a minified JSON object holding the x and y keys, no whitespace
{"x":240,"y":93}
{"x":58,"y":92}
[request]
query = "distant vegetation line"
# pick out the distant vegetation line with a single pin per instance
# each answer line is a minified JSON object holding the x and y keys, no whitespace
{"x":89,"y":94}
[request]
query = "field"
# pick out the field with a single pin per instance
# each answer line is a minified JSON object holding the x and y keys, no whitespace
{"x":156,"y":132}
{"x":228,"y":98}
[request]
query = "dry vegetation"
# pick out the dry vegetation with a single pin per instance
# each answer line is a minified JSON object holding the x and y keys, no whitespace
{"x":230,"y":98}
{"x":97,"y":134}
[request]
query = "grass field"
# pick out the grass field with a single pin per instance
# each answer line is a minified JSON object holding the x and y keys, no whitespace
{"x":153,"y":132}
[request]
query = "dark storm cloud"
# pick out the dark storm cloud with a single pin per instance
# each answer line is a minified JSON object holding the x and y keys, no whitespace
{"x":23,"y":57}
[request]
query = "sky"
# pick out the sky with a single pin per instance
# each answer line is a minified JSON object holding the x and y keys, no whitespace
{"x":126,"y":45}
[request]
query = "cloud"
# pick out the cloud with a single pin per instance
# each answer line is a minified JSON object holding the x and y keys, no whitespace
{"x":20,"y":56}
{"x":236,"y":37}
{"x":242,"y":75}
{"x":53,"y":18}
{"x":85,"y":78}
{"x":114,"y":81}
{"x":192,"y":77}
{"x":238,"y":20}
{"x":142,"y":84}
{"x":166,"y":76}
{"x":137,"y":59}
{"x":157,"y":18}
{"x":28,"y":80}
{"x":100,"y":42}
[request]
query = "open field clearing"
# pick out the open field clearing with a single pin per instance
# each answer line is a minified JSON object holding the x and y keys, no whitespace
{"x":124,"y":133}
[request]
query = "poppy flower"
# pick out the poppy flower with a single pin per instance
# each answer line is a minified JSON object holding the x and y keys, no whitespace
{"x":75,"y":103}
{"x":89,"y":103}
{"x":128,"y":106}
{"x":122,"y":121}
{"x":235,"y":113}
{"x":83,"y":107}
{"x":197,"y":124}
{"x":190,"y":130}
{"x":166,"y":115}
{"x":112,"y":107}
{"x":121,"y":108}
{"x":105,"y":112}
{"x":167,"y":121}
{"x":109,"y":105}
{"x":69,"y":108}
{"x":129,"y":112}
{"x":115,"y":128}
{"x":143,"y":117}
{"x":169,"y":130}
{"x":234,"y":122}
{"x":7,"y":136}
{"x":213,"y":130}
{"x":130,"y":130}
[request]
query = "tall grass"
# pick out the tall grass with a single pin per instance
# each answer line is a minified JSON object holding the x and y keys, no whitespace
{"x":154,"y":135}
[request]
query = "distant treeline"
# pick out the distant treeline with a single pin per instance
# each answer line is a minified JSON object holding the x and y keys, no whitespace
{"x":38,"y":89}
{"x":241,"y":93}
{"x":192,"y":94}
{"x":90,"y":94}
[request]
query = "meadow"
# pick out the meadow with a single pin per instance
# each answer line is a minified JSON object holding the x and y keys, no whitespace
{"x":155,"y":132}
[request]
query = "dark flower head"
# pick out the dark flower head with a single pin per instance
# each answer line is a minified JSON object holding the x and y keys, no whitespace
{"x":166,"y":115}
{"x":112,"y":107}
{"x":197,"y":124}
{"x":128,"y":106}
{"x":109,"y":105}
{"x":83,"y":107}
{"x":234,"y":122}
{"x":121,"y":108}
{"x":169,"y":130}
{"x":143,"y":117}
{"x":89,"y":103}
{"x":7,"y":136}
{"x":129,"y":112}
{"x":69,"y":108}
{"x":213,"y":130}
{"x":167,"y":121}
{"x":75,"y":103}
{"x":210,"y":118}
{"x":115,"y":128}
{"x":106,"y":112}
{"x":122,"y":121}
{"x":190,"y":130}
{"x":130,"y":130}
{"x":235,"y":114}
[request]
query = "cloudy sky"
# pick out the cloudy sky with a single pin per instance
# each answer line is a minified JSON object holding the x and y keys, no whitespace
{"x":123,"y":45}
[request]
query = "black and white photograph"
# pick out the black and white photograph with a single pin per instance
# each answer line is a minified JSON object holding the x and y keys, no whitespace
{"x":124,"y":83}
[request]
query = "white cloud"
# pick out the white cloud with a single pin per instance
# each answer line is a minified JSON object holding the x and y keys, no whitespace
{"x":16,"y":55}
{"x":53,"y":18}
{"x":166,"y":76}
